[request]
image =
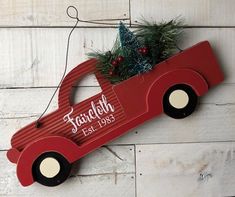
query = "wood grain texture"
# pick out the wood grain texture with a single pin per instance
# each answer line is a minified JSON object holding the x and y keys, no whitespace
{"x":195,"y":13}
{"x":32,"y":61}
{"x":35,"y":57}
{"x":104,"y":173}
{"x":173,"y":170}
{"x":53,"y":13}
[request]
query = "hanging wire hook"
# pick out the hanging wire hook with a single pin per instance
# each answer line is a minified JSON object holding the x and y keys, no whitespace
{"x":38,"y":123}
{"x":76,"y":12}
{"x":96,"y":22}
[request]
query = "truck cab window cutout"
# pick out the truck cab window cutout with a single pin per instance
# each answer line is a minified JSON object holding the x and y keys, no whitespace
{"x":85,"y":88}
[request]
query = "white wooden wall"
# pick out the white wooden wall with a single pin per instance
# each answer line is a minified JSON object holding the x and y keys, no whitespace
{"x":193,"y":157}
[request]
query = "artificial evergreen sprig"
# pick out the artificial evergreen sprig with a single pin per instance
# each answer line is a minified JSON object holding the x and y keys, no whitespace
{"x":161,"y":39}
{"x":138,"y":51}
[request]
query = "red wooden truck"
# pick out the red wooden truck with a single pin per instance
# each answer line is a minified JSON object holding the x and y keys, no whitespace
{"x":45,"y":154}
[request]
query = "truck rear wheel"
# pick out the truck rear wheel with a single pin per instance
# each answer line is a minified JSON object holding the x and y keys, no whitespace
{"x":179,"y":101}
{"x":51,"y":169}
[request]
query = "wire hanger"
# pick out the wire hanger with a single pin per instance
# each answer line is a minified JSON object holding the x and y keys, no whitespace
{"x":75,"y":17}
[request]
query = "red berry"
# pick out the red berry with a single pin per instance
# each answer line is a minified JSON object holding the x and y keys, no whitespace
{"x":140,"y":50}
{"x":114,"y":62}
{"x":120,"y":59}
{"x":145,"y":50}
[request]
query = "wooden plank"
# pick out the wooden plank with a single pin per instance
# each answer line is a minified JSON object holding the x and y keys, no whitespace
{"x":15,"y":13}
{"x":30,"y":102}
{"x":195,"y":13}
{"x":16,"y":57}
{"x":182,"y":170}
{"x":35,"y":57}
{"x":209,"y":124}
{"x":29,"y":65}
{"x":100,"y":174}
{"x":20,"y":103}
{"x":213,"y":121}
{"x":53,"y":13}
{"x":107,"y":160}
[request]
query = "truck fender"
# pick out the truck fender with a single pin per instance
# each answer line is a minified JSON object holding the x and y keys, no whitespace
{"x":58,"y":144}
{"x":171,"y":78}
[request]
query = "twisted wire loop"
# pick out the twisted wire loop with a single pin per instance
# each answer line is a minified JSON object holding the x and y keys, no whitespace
{"x":96,"y":22}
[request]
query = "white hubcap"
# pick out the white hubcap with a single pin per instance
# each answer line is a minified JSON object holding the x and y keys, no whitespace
{"x":49,"y":167}
{"x":178,"y":99}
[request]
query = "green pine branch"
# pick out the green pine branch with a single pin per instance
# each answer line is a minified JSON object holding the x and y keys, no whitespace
{"x":160,"y":39}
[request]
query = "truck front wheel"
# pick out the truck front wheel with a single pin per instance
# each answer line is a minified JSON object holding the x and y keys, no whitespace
{"x":179,"y":101}
{"x":51,"y":169}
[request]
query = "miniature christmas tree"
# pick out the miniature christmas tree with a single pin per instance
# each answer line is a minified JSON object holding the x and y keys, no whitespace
{"x":137,"y":63}
{"x":137,"y":52}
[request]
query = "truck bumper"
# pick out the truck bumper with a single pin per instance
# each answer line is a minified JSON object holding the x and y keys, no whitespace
{"x":13,"y":155}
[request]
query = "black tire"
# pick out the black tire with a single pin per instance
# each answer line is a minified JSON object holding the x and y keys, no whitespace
{"x":60,"y":177}
{"x":186,"y":110}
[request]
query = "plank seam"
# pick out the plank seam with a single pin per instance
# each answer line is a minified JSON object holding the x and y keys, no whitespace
{"x":82,"y":86}
{"x":135,"y":170}
{"x":37,"y":114}
{"x":130,"y":13}
{"x":108,"y":26}
{"x":161,"y":143}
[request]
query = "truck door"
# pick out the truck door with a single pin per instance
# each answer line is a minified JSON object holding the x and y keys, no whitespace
{"x":94,"y":116}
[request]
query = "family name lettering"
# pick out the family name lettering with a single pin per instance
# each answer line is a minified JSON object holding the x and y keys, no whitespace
{"x":97,"y":110}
